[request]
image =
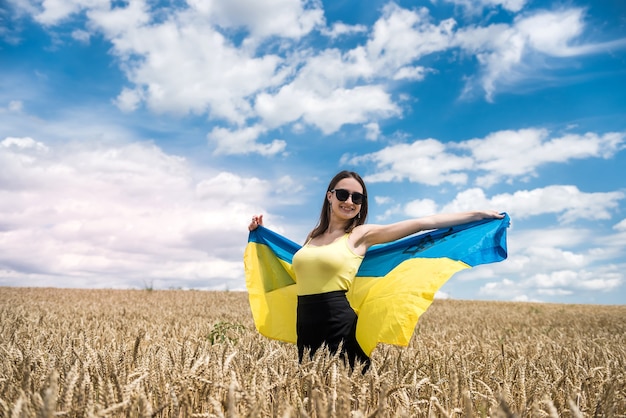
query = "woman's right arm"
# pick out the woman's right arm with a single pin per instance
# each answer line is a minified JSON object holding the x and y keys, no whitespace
{"x":377,"y":234}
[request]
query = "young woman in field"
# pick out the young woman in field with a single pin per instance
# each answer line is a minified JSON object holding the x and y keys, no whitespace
{"x":328,"y":262}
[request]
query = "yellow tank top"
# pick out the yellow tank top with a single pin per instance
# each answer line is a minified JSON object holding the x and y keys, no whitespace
{"x":325,"y":268}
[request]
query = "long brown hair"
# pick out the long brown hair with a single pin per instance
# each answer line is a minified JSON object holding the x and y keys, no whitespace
{"x":324,"y":221}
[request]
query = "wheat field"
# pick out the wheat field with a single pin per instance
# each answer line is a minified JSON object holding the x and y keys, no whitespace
{"x":144,"y":353}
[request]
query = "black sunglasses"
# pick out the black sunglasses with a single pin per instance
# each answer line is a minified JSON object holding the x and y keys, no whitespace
{"x":342,"y":195}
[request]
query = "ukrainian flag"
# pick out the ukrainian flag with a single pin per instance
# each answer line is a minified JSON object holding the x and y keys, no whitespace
{"x":395,"y":284}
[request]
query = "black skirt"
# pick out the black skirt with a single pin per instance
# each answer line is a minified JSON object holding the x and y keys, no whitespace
{"x":328,"y":318}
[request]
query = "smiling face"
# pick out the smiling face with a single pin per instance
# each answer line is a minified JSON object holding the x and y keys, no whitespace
{"x":348,"y":209}
{"x":336,"y":209}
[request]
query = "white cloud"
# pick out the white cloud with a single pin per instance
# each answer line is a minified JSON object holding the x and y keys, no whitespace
{"x":552,"y":257}
{"x":332,"y":88}
{"x":129,"y":99}
{"x":185,"y":64}
{"x":417,"y":73}
{"x":476,"y":6}
{"x":568,"y":280}
{"x":176,"y":70}
{"x":554,"y":292}
{"x":505,"y":289}
{"x":243,"y":141}
{"x":397,"y":40}
{"x":81,"y":36}
{"x":23,"y":143}
{"x":245,"y":62}
{"x":328,"y":110}
{"x":510,"y":154}
{"x":510,"y":54}
{"x":618,"y":239}
{"x":173,"y":67}
{"x":372,"y":131}
{"x":383,"y":200}
{"x":554,"y":285}
{"x":551,"y":263}
{"x":499,"y":51}
{"x":424,"y":161}
{"x":119,"y":22}
{"x":553,"y":33}
{"x":401,"y":36}
{"x":49,"y":12}
{"x":339,"y":29}
{"x":188,"y":62}
{"x":283,"y":18}
{"x":420,"y":207}
{"x":287,"y":185}
{"x":91,"y":214}
{"x":524,"y":298}
{"x":506,"y":154}
{"x":227,"y":186}
{"x":16,"y":105}
{"x":389,"y":213}
{"x":566,"y":201}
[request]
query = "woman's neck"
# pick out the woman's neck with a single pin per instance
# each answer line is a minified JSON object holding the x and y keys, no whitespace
{"x":336,"y":226}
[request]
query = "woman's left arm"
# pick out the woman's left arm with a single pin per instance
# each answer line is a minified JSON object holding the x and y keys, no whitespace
{"x":378,"y":234}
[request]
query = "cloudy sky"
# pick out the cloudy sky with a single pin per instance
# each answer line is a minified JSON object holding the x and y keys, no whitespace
{"x":138,"y":138}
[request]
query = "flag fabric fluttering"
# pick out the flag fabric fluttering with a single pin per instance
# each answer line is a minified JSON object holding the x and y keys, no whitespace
{"x":395,"y":284}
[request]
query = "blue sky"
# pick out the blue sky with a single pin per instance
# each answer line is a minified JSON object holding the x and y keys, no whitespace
{"x":137,"y":139}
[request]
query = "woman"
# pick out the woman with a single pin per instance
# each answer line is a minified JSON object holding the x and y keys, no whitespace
{"x":328,"y":262}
